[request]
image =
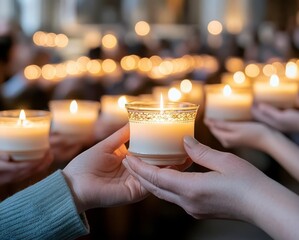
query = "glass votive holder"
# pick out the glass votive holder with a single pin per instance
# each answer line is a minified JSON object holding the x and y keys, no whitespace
{"x":156,"y":134}
{"x":74,"y":117}
{"x":24,"y":136}
{"x":226,"y":103}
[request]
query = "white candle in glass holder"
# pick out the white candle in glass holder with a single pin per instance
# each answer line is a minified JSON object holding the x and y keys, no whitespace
{"x":192,"y":91}
{"x":24,"y":135}
{"x":74,"y":117}
{"x":280,"y":94}
{"x":113,"y":108}
{"x":236,"y":80}
{"x":156,"y":132}
{"x":225,"y":103}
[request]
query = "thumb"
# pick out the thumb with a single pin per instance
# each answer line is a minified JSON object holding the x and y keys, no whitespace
{"x":204,"y":155}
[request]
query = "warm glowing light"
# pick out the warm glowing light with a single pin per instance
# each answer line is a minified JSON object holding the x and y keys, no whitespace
{"x":74,"y":107}
{"x":92,"y":39}
{"x":227,"y":90}
{"x":142,"y":28}
{"x":122,"y":101}
{"x":50,"y":39}
{"x":215,"y":27}
{"x":109,"y":41}
{"x":274,"y":81}
{"x":109,"y":65}
{"x":252,"y":70}
{"x":72,"y":67}
{"x":94,"y":67}
{"x":291,"y":70}
{"x":48,"y":72}
{"x":239,"y":77}
{"x":234,"y":64}
{"x":39,"y":38}
{"x":166,"y":67}
{"x":61,"y":70}
{"x":32,"y":72}
{"x":186,"y":86}
{"x":61,"y":40}
{"x":269,"y":70}
{"x":22,"y":118}
{"x":145,"y":65}
{"x":174,"y":94}
{"x":129,"y":63}
{"x":156,"y":60}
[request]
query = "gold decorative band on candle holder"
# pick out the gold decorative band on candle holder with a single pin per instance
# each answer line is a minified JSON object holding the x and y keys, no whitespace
{"x":24,"y":139}
{"x":156,"y":134}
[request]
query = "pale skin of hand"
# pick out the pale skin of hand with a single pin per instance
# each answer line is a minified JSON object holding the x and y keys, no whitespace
{"x":15,"y":171}
{"x":97,"y":177}
{"x":233,"y":189}
{"x":282,"y":120}
{"x":258,"y":136}
{"x":66,"y":147}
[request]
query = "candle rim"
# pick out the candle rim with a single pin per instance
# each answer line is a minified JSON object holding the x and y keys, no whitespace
{"x":30,"y":114}
{"x":155,"y":106}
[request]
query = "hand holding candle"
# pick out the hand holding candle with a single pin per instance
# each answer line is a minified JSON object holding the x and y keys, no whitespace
{"x":225,"y":103}
{"x":157,"y":131}
{"x":75,"y":118}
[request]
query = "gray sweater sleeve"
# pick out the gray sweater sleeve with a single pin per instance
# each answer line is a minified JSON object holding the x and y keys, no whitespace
{"x":45,"y":210}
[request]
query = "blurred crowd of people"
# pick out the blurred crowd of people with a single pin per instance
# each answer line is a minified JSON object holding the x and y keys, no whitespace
{"x":267,"y":134}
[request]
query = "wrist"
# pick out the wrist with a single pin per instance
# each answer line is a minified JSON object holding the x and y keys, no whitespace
{"x":71,"y":182}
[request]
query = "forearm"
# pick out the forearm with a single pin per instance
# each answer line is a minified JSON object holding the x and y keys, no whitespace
{"x":43,"y":211}
{"x":284,"y":151}
{"x":274,"y":209}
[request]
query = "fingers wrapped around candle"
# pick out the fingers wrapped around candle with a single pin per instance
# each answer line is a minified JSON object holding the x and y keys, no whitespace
{"x":283,"y":120}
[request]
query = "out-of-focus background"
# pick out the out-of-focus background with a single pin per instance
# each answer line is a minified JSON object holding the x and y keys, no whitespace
{"x":84,"y":49}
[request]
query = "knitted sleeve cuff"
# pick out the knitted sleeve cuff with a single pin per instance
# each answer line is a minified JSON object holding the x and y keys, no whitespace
{"x":45,"y":210}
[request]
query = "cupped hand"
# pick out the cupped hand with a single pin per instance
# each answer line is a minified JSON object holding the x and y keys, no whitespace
{"x":98,"y":178}
{"x":220,"y":193}
{"x":15,"y":171}
{"x":283,"y":120}
{"x":236,"y":134}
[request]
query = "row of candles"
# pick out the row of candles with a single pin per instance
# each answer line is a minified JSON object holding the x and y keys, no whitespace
{"x":154,"y":67}
{"x":156,"y":128}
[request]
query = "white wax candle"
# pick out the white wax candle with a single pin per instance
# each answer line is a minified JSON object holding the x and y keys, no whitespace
{"x":280,"y":94}
{"x":192,"y":91}
{"x":156,"y":136}
{"x":236,"y":80}
{"x":74,"y":117}
{"x":25,"y":139}
{"x":223,"y":103}
{"x":114,"y":110}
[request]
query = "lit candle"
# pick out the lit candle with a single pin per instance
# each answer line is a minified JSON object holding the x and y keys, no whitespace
{"x":225,"y":103}
{"x":192,"y":91}
{"x":281,"y":94}
{"x":74,"y":117}
{"x":114,"y":109}
{"x":24,"y":135}
{"x":157,"y":131}
{"x":236,"y":80}
{"x":291,"y":71}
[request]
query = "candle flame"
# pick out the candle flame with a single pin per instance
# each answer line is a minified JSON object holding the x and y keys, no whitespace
{"x":174,"y":94}
{"x":291,"y":70}
{"x":274,"y":81}
{"x":227,"y":90}
{"x":122,"y":101}
{"x":239,"y":77}
{"x":186,"y":86}
{"x":74,"y":107}
{"x":22,"y":118}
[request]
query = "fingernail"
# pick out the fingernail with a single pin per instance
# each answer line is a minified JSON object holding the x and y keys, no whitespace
{"x":190,"y":141}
